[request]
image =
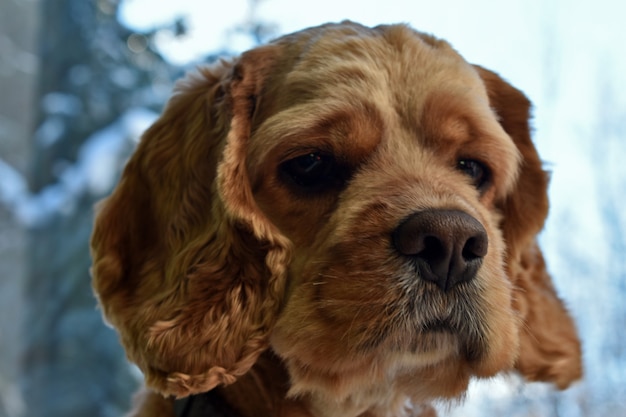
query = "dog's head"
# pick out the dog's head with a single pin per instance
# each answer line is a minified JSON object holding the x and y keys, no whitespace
{"x":361,"y":201}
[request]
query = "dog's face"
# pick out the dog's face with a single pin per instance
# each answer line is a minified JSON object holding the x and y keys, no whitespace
{"x":385,"y":176}
{"x":361,"y":201}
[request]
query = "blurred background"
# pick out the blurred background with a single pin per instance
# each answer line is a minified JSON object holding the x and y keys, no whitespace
{"x":80,"y":80}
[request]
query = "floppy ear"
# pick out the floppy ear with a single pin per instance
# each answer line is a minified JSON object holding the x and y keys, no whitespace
{"x":549,"y":344}
{"x":185,"y":265}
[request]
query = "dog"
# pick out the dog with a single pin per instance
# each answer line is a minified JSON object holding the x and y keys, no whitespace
{"x":341,"y":222}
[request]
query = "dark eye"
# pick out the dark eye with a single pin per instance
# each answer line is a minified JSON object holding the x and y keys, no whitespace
{"x":477,"y":171}
{"x":314,"y":171}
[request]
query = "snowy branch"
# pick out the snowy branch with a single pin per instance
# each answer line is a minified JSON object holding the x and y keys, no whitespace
{"x":94,"y":172}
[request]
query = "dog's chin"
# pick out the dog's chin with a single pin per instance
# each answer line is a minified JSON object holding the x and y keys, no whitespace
{"x":434,"y":347}
{"x":343,"y":363}
{"x":340,"y":345}
{"x":380,"y":379}
{"x":466,"y":344}
{"x":339,"y":373}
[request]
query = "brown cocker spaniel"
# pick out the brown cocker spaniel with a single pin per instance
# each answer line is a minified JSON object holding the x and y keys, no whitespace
{"x":340,"y":223}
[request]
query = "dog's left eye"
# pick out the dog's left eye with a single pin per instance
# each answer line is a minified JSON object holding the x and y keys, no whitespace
{"x":313,"y":171}
{"x":477,"y":171}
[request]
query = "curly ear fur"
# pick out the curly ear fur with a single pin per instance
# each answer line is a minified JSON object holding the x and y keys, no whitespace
{"x":525,"y":209}
{"x":185,"y":265}
{"x":549,"y":345}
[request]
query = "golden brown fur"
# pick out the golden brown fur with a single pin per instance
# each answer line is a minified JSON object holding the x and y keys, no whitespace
{"x":218,"y":270}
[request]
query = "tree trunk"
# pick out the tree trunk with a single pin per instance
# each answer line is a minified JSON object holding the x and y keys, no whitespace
{"x":72,"y":364}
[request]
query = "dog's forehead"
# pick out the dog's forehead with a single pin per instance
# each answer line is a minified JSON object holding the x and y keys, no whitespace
{"x":394,"y":69}
{"x":393,"y":65}
{"x":387,"y":75}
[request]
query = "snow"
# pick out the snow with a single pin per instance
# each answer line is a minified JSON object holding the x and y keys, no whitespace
{"x":13,"y":186}
{"x":100,"y":155}
{"x":50,"y":131}
{"x":124,"y":77}
{"x":95,"y":171}
{"x":61,"y":103}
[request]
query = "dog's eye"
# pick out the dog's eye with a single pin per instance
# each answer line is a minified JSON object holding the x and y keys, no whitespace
{"x":314,"y":170}
{"x":477,"y":171}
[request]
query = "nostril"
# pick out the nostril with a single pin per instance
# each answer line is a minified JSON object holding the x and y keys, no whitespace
{"x":433,"y":248}
{"x":475,"y":247}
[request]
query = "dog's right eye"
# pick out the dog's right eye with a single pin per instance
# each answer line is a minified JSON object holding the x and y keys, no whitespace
{"x":477,"y":171}
{"x":314,"y":171}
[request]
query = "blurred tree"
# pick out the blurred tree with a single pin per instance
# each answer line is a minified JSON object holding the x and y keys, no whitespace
{"x":92,"y":70}
{"x":18,"y":69}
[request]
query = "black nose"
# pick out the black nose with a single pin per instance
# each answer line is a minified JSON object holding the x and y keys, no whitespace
{"x":447,"y":246}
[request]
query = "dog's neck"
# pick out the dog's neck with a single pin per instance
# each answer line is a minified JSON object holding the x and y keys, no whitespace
{"x":262,"y":392}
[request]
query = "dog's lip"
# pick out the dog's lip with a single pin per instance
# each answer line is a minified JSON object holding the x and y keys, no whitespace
{"x":437,"y":325}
